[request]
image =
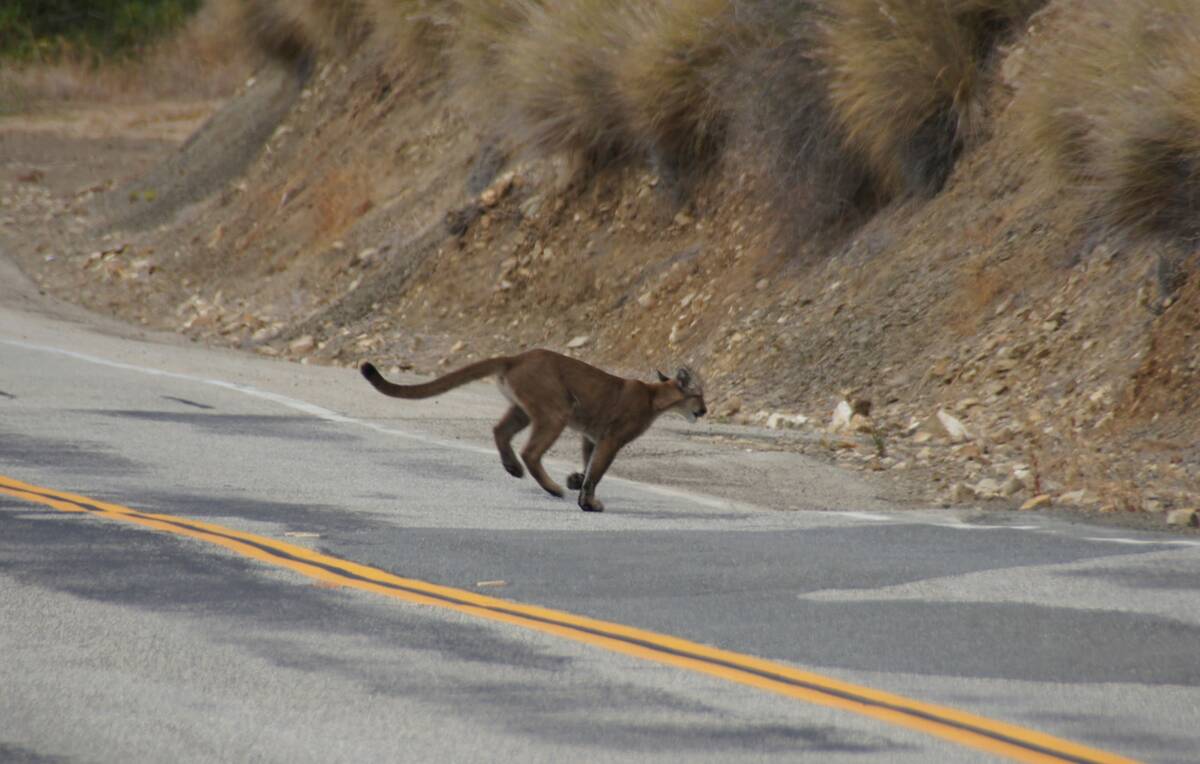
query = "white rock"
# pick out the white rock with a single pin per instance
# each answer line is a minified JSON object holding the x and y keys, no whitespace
{"x":956,"y":431}
{"x":842,"y":414}
{"x":1037,"y":502}
{"x":731,"y":407}
{"x":532,"y":206}
{"x":1012,"y":486}
{"x":1153,"y":506}
{"x":860,"y":423}
{"x":1025,"y":475}
{"x":494,"y":193}
{"x":987,"y":488}
{"x":961,"y":492}
{"x":302,"y":344}
{"x":1074,"y":498}
{"x":778,"y":421}
{"x":1184,"y":517}
{"x":579,"y":341}
{"x":1003,"y":435}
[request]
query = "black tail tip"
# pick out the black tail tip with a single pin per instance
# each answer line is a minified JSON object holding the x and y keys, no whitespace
{"x":368,"y":370}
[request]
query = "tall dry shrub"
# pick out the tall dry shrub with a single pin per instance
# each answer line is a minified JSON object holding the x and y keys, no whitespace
{"x":485,"y":28}
{"x":785,"y":121}
{"x":408,"y":26}
{"x":344,"y":24}
{"x":558,"y":71}
{"x":480,"y":40}
{"x":296,"y":30}
{"x":1115,"y":109}
{"x":668,"y":80}
{"x":907,"y":77}
{"x":280,"y":29}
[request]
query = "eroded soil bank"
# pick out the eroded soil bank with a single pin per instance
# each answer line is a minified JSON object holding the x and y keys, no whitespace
{"x":358,"y":212}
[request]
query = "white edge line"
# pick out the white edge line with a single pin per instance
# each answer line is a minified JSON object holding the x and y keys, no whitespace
{"x":981,"y":527}
{"x":868,"y":516}
{"x":1142,"y":542}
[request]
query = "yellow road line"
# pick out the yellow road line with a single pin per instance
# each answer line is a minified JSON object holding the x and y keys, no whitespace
{"x":1017,"y":743}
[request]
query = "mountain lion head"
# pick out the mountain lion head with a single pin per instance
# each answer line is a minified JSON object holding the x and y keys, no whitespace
{"x":690,"y":387}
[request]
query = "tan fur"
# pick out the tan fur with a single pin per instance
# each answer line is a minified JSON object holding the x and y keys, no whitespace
{"x":553,"y":392}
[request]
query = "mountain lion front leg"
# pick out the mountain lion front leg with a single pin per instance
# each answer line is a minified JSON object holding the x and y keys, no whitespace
{"x":545,"y":432}
{"x":513,"y":422}
{"x":575,"y":479}
{"x":606,"y":451}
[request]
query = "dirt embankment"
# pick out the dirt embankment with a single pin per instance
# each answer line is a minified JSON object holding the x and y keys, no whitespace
{"x":994,"y":346}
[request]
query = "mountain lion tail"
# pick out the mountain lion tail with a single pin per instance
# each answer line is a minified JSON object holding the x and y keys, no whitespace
{"x":454,"y":379}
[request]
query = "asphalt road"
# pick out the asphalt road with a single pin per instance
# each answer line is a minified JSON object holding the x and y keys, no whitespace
{"x":125,"y":642}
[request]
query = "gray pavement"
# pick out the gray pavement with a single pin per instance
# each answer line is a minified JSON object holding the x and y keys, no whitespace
{"x":119,"y":643}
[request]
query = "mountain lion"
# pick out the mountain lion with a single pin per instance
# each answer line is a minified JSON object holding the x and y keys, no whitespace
{"x":551,"y":392}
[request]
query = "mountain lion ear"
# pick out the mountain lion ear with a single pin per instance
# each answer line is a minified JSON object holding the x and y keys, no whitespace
{"x":684,"y":377}
{"x":662,"y":377}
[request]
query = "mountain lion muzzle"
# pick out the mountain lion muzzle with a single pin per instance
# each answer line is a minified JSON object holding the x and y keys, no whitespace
{"x":552,"y":392}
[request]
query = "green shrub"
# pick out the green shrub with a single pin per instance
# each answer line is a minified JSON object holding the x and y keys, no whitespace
{"x":39,"y":29}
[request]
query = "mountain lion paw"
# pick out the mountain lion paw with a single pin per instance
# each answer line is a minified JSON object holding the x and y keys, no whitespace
{"x":575,"y":481}
{"x":590,"y":504}
{"x":514,"y":468}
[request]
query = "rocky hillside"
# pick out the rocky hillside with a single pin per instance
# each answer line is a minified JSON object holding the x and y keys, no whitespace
{"x":951,"y":241}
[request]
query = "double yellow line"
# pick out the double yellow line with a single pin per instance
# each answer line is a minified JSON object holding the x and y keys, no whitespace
{"x":995,"y":737}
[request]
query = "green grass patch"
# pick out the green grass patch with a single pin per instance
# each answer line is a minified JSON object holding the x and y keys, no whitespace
{"x":41,"y":30}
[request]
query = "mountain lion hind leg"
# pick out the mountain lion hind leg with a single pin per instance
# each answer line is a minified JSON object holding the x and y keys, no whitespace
{"x":545,"y":432}
{"x":602,"y":458}
{"x":575,"y":479}
{"x":513,"y":422}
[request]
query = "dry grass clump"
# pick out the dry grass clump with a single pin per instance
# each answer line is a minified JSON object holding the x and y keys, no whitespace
{"x":1117,"y":110}
{"x":485,"y":28}
{"x":557,"y":71}
{"x":341,"y":25}
{"x":482,"y":35}
{"x":668,"y":81}
{"x":785,"y":122}
{"x":411,"y":25}
{"x":602,"y":80}
{"x":281,"y":29}
{"x":906,"y":80}
{"x":295,"y":30}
